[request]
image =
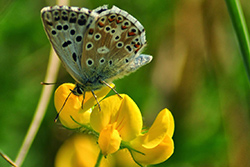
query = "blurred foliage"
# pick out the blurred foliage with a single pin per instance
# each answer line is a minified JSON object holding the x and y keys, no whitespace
{"x":197,"y":73}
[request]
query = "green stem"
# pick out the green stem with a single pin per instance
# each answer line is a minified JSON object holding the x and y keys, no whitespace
{"x":99,"y":159}
{"x":8,"y":159}
{"x":52,"y":71}
{"x":134,"y":158}
{"x":238,"y":20}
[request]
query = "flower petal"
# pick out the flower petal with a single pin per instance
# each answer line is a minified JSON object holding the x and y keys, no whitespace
{"x":155,"y":155}
{"x":123,"y":158}
{"x":129,"y":120}
{"x":163,"y":125}
{"x":73,"y":105}
{"x":109,"y":107}
{"x":123,"y":111}
{"x":100,"y":94}
{"x":80,"y":150}
{"x":170,"y":124}
{"x":109,"y":140}
{"x":157,"y":144}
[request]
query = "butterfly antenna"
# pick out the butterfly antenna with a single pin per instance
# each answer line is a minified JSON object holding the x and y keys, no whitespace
{"x":96,"y":100}
{"x":57,"y":115}
{"x":46,"y":83}
{"x":102,"y":81}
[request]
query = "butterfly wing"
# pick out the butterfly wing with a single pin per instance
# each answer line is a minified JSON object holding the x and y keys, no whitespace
{"x":112,"y":46}
{"x":103,"y":44}
{"x":65,"y":27}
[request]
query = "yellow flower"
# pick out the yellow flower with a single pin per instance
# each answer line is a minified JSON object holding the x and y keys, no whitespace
{"x":73,"y":105}
{"x":157,"y":144}
{"x":80,"y":150}
{"x":119,"y":119}
{"x":117,"y":125}
{"x":123,"y":158}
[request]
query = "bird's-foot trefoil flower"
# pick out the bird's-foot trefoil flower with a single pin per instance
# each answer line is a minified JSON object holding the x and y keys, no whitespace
{"x":118,"y":126}
{"x":156,"y":144}
{"x":75,"y":106}
{"x":119,"y":120}
{"x":81,"y":150}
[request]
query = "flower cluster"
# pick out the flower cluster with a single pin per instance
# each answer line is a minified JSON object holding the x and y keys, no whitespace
{"x":117,"y":128}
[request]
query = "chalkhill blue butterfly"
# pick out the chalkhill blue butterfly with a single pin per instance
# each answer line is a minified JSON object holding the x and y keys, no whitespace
{"x":95,"y":46}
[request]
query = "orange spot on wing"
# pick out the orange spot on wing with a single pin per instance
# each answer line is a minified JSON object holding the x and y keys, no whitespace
{"x":137,"y":46}
{"x":100,"y":24}
{"x":131,"y":33}
{"x":91,"y":31}
{"x":137,"y":50}
{"x":123,"y":27}
{"x":111,"y":20}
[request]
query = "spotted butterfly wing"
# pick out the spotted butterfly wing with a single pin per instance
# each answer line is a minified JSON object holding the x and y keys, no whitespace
{"x":65,"y":27}
{"x":95,"y":46}
{"x":113,"y":44}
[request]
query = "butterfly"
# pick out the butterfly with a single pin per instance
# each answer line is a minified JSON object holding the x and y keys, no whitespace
{"x":95,"y":46}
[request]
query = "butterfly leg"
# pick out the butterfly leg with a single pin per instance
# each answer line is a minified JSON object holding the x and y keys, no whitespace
{"x":102,"y":81}
{"x":57,"y":116}
{"x":96,"y":100}
{"x":83,"y":99}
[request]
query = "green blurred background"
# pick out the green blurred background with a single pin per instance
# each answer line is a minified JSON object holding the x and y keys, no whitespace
{"x":197,"y":73}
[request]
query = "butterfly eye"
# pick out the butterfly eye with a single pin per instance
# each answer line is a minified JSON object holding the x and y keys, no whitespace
{"x":78,"y":91}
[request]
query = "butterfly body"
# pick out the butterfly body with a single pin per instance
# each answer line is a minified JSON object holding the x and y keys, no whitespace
{"x":95,"y":46}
